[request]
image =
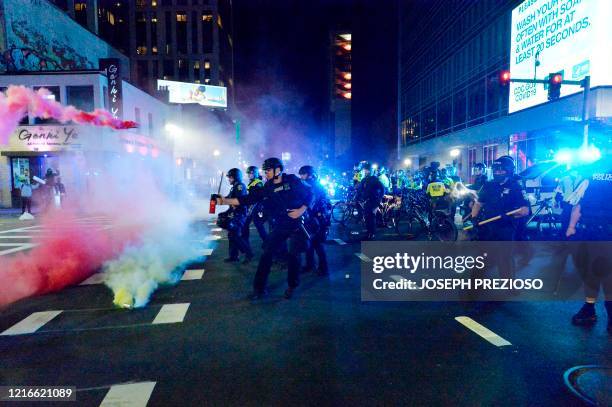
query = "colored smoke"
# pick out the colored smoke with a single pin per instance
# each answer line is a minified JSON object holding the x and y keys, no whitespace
{"x":20,"y":101}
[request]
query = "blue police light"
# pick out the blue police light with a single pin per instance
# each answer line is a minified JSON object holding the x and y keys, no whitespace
{"x":564,"y":156}
{"x":332,"y":192}
{"x":323,"y":182}
{"x":589,"y":154}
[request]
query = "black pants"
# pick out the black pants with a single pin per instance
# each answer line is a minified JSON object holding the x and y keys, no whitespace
{"x":237,"y":243}
{"x":370,"y":217}
{"x":259,"y":225}
{"x":503,"y":257}
{"x":316,"y":245}
{"x":594,"y":264}
{"x":26,"y":203}
{"x":275,"y":241}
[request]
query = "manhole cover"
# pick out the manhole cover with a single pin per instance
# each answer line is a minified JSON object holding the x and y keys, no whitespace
{"x":591,"y":383}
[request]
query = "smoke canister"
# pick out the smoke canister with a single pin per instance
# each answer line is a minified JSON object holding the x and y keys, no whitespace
{"x":213,"y":204}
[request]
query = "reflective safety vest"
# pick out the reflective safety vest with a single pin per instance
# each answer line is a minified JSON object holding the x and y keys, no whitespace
{"x":254,"y":182}
{"x":436,"y":189}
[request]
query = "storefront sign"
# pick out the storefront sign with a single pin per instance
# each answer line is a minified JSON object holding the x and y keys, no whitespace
{"x":112,"y":68}
{"x":46,"y":138}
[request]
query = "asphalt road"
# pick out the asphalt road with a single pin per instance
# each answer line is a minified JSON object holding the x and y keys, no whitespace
{"x":322,"y":347}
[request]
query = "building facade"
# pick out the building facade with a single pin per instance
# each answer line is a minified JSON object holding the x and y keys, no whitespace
{"x":181,"y":40}
{"x":340,"y":93}
{"x":450,"y":97}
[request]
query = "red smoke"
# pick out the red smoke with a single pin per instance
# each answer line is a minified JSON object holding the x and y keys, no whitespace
{"x":70,"y":255}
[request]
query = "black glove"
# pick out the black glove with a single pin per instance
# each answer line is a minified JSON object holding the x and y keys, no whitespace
{"x":215,"y":196}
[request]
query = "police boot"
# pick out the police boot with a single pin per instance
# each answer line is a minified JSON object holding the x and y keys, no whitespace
{"x":586,"y":316}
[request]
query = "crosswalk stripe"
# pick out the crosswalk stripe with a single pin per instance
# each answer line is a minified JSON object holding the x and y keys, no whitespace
{"x":340,"y":242}
{"x":192,"y":275}
{"x":17,"y":247}
{"x":363,"y":257}
{"x":132,"y":394}
{"x":207,"y":252}
{"x":97,"y":278}
{"x":171,"y":313}
{"x":482,"y":331}
{"x":212,"y":237}
{"x":31,"y":324}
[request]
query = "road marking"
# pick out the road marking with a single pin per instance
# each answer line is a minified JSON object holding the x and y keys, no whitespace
{"x":212,"y":237}
{"x":216,"y":230}
{"x":363,"y":257}
{"x":17,"y":247}
{"x":208,"y":252}
{"x":171,"y":313}
{"x":31,"y":323}
{"x":482,"y":331}
{"x":24,"y":229}
{"x":133,"y":395}
{"x":340,"y":242}
{"x":97,"y":278}
{"x":192,"y":275}
{"x":17,"y":237}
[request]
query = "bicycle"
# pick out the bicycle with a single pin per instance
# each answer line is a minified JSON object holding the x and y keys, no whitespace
{"x":418,"y":216}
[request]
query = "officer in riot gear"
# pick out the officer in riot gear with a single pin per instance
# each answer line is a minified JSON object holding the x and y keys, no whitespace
{"x":498,"y":197}
{"x":286,"y":198}
{"x":591,"y":222}
{"x":371,"y":191}
{"x":318,"y":222}
{"x":255,"y":213}
{"x":234,"y":218}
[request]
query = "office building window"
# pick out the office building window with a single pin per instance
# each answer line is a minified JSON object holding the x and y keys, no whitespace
{"x":471,"y":162}
{"x":207,"y":70}
{"x":207,"y":32}
{"x":142,"y":74}
{"x":141,"y":33}
{"x":489,"y":154}
{"x":196,"y":70}
{"x":444,"y":115}
{"x":81,"y":97}
{"x":168,"y":68}
{"x":154,"y":34}
{"x":194,"y":32}
{"x":168,"y":27}
{"x":183,"y":71}
{"x":429,"y":121}
{"x":476,"y":102}
{"x":459,"y":106}
{"x":181,"y":32}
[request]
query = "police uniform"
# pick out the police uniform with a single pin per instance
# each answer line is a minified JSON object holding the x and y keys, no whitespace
{"x":593,"y":259}
{"x":237,"y":215}
{"x":255,"y":213}
{"x":371,"y":190}
{"x":278,"y":199}
{"x":319,"y":215}
{"x":499,"y":199}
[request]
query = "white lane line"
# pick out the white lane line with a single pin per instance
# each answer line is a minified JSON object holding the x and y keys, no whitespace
{"x":97,"y":278}
{"x":20,"y":247}
{"x":192,"y":275}
{"x":216,"y":230}
{"x":171,"y":313}
{"x":207,"y":252}
{"x":363,"y":257}
{"x":31,"y":323}
{"x":24,"y":229}
{"x":482,"y":331}
{"x":340,"y":242}
{"x":212,"y":237}
{"x":132,"y":395}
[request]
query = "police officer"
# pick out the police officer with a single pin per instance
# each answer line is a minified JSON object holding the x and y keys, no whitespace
{"x":480,"y":177}
{"x":498,"y":197}
{"x":319,"y":220}
{"x":233,"y":219}
{"x":286,"y":198}
{"x":591,"y":210}
{"x":371,"y":191}
{"x":255,"y":212}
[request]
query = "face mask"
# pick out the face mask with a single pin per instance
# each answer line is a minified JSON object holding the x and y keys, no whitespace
{"x":500,"y":177}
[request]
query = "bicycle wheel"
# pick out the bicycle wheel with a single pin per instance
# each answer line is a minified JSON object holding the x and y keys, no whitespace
{"x":339,"y":211}
{"x":407,"y":224}
{"x":443,"y":229}
{"x":354,"y":225}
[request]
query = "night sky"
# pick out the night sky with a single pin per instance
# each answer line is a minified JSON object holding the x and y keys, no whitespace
{"x":281,"y":52}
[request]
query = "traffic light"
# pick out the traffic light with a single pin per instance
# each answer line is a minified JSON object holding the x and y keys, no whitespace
{"x":554,"y":85}
{"x":504,"y":77}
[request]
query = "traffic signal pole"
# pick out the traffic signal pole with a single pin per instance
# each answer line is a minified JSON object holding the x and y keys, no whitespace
{"x":586,"y":86}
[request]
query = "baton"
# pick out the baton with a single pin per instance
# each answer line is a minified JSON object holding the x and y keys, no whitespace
{"x":493,"y":219}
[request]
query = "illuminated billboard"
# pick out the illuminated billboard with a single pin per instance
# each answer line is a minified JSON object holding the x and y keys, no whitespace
{"x":205,"y":95}
{"x":567,"y":36}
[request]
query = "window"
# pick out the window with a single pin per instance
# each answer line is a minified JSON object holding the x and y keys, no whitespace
{"x":183,"y":71}
{"x":207,"y":32}
{"x":141,"y":34}
{"x":154,"y":34}
{"x":55,"y":95}
{"x":489,"y":154}
{"x":137,"y":115}
{"x":459,"y":105}
{"x":476,"y":102}
{"x":429,"y":121}
{"x":207,"y":70}
{"x":194,"y":33}
{"x":81,"y":97}
{"x":181,"y":32}
{"x":444,"y":114}
{"x":142,"y":74}
{"x":168,"y":32}
{"x":196,"y":70}
{"x":168,"y":68}
{"x":471,"y":162}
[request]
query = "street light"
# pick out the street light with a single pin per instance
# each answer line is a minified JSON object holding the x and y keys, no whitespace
{"x":455,"y":152}
{"x":174,"y":130}
{"x":216,"y":153}
{"x":407,"y":162}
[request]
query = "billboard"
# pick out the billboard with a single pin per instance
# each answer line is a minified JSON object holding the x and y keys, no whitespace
{"x":567,"y":36}
{"x":205,"y":95}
